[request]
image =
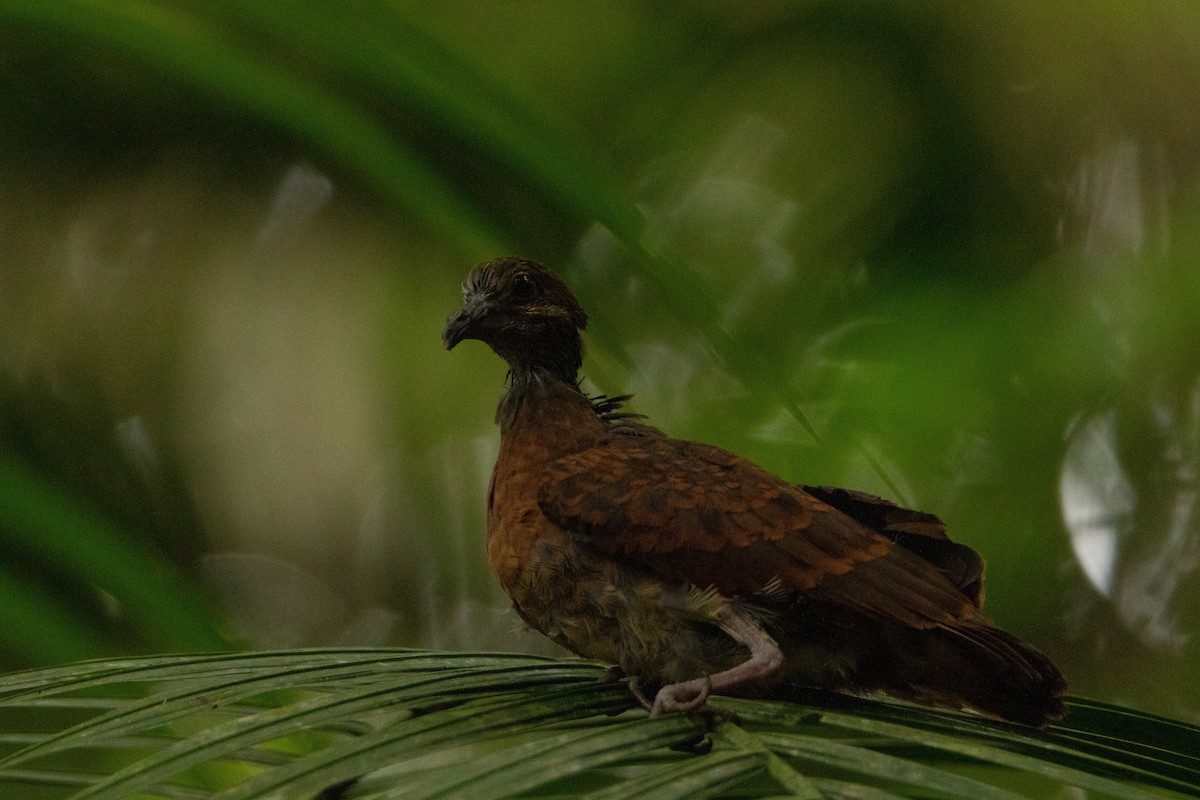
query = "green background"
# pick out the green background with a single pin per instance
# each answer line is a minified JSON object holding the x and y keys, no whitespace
{"x":938,"y":251}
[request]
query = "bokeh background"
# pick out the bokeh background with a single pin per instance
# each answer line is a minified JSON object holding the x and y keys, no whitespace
{"x":944,"y":252}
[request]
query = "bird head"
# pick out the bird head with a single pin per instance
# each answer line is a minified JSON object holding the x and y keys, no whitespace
{"x":526,"y":314}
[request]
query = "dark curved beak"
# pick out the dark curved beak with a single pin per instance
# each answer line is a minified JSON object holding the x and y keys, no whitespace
{"x":462,"y":325}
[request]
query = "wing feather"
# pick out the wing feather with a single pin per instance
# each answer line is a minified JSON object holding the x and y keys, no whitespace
{"x":698,"y":514}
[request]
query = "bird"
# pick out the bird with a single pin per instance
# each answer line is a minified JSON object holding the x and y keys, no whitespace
{"x":695,"y":572}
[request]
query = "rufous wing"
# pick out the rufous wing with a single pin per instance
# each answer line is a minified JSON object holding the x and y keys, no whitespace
{"x":917,"y":531}
{"x":694,"y":513}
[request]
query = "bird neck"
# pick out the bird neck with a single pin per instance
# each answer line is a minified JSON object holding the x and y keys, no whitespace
{"x":553,"y":355}
{"x":526,"y":377}
{"x":547,"y":407}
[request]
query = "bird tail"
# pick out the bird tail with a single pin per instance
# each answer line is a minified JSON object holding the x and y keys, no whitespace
{"x":976,"y":666}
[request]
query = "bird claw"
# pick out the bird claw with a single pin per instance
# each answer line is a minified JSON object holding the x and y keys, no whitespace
{"x":675,"y":697}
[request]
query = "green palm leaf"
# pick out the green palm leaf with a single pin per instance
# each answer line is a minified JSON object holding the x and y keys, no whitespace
{"x":417,"y":724}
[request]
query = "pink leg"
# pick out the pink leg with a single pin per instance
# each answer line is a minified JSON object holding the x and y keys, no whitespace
{"x":765,"y":660}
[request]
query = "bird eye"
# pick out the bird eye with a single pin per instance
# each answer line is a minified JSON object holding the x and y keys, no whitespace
{"x":523,"y":287}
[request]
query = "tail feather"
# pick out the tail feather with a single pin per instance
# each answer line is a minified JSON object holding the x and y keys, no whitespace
{"x":975,"y":666}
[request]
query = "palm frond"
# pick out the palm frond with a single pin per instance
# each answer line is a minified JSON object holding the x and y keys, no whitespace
{"x":359,"y":723}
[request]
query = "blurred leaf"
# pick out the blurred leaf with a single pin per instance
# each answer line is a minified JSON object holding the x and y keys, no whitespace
{"x":40,"y":520}
{"x":38,"y":627}
{"x":190,"y":48}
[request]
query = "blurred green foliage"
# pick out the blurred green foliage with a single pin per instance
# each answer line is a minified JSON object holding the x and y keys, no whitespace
{"x":935,"y":250}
